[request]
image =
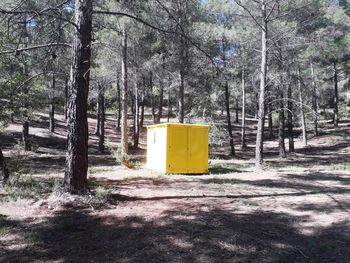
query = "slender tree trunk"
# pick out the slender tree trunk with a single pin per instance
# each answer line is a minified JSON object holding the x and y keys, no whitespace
{"x":290,"y":119}
{"x":314,"y":100}
{"x":181,"y":96}
{"x":301,"y":107}
{"x":52,"y":104}
{"x":169,"y":104}
{"x":142,"y":117}
{"x":244,"y":145}
{"x":263,"y":71}
{"x":75,"y":179}
{"x":98,"y":111}
{"x":119,"y":114}
{"x":269,"y":120}
{"x":124,"y":130}
{"x":25,"y":125}
{"x":154,"y":117}
{"x":237,"y":112}
{"x":66,"y":99}
{"x":281,"y":116}
{"x":336,"y":96}
{"x":102,"y":116}
{"x":4,"y":172}
{"x":136,"y":114}
{"x":228,"y":116}
{"x":282,"y":148}
{"x":160,"y":106}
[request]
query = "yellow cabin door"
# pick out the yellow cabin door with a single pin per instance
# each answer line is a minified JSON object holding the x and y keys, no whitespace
{"x":177,"y":159}
{"x":197,"y":150}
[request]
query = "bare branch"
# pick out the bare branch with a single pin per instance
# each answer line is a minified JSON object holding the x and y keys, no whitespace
{"x":33,"y":47}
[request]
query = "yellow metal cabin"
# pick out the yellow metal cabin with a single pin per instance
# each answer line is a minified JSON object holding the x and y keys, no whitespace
{"x":175,"y":148}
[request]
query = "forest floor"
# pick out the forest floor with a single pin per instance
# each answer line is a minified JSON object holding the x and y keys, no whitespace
{"x":296,"y":210}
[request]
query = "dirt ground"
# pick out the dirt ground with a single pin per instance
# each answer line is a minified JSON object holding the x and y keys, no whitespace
{"x":296,"y":210}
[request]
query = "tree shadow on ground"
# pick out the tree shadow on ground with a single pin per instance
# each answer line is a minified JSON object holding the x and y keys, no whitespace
{"x":186,"y":236}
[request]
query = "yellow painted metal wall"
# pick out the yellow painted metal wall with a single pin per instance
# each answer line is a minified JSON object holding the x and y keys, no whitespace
{"x":178,"y":148}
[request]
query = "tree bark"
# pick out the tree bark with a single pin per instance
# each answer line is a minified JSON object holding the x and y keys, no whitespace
{"x":263,"y":71}
{"x":336,"y":96}
{"x":4,"y":172}
{"x":136,"y":114}
{"x":228,"y":116}
{"x":154,"y":117}
{"x":160,"y":106}
{"x":244,"y":145}
{"x":75,"y":179}
{"x":66,"y":100}
{"x":269,"y":120}
{"x":282,"y":148}
{"x":142,"y":117}
{"x":301,"y":108}
{"x":314,"y":100}
{"x":291,"y":147}
{"x":119,"y":104}
{"x":124,"y":123}
{"x":52,"y":104}
{"x":237,"y":111}
{"x":102,"y":117}
{"x":98,"y":112}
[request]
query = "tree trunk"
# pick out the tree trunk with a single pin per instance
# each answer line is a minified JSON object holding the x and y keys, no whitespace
{"x":75,"y":179}
{"x":228,"y":116}
{"x":263,"y":71}
{"x":314,"y":100}
{"x":25,"y":134}
{"x":301,"y":107}
{"x":282,"y":148}
{"x":119,"y":104}
{"x":136,"y":114}
{"x":269,"y":120}
{"x":66,"y":100}
{"x":290,"y":119}
{"x":244,"y":145}
{"x":154,"y":117}
{"x":4,"y":172}
{"x":281,"y":116}
{"x":336,"y":96}
{"x":124,"y":123}
{"x":102,"y":117}
{"x":181,"y":96}
{"x":98,"y":112}
{"x":142,"y":117}
{"x":237,"y":112}
{"x":169,"y":103}
{"x":52,"y":104}
{"x":160,"y":106}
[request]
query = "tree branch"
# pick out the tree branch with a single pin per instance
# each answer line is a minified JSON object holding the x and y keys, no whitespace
{"x":33,"y":47}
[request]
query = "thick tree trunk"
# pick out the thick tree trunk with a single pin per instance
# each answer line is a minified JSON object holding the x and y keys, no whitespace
{"x":102,"y":118}
{"x":263,"y":71}
{"x":124,"y":123}
{"x":75,"y":179}
{"x":52,"y":104}
{"x":336,"y":96}
{"x":244,"y":145}
{"x":290,"y":119}
{"x":4,"y":172}
{"x":301,"y":108}
{"x":136,"y":114}
{"x":181,"y":97}
{"x":314,"y":100}
{"x":119,"y":104}
{"x":228,"y":116}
